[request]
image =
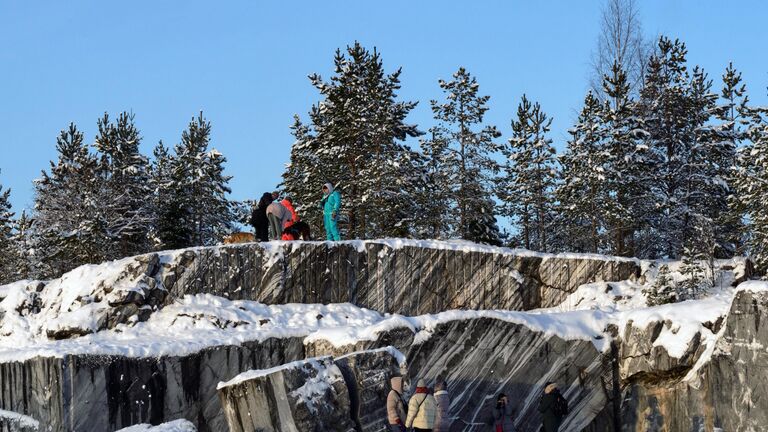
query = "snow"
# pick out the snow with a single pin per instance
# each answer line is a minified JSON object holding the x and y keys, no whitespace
{"x":180,"y":425}
{"x":18,"y":420}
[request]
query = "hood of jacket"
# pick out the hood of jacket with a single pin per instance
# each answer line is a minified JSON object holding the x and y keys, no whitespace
{"x":330,"y":188}
{"x":550,"y":388}
{"x":397,"y":384}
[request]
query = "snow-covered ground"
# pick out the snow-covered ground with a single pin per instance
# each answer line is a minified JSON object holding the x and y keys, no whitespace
{"x":17,"y":421}
{"x":173,"y":426}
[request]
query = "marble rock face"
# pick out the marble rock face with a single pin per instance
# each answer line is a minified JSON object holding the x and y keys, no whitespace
{"x":729,"y":391}
{"x":104,"y":393}
{"x":408,"y":280}
{"x":480,"y":358}
{"x":308,"y":395}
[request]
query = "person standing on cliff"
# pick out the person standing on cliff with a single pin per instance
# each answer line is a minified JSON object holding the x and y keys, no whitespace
{"x":553,"y":408}
{"x":259,"y":219}
{"x":331,"y":204}
{"x":396,"y":406}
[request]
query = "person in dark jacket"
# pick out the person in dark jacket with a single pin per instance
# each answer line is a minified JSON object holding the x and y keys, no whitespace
{"x":551,"y":407}
{"x":259,"y":219}
{"x":503,"y":419}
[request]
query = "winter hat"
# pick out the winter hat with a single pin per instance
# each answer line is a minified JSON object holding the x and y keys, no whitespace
{"x":328,"y":186}
{"x":440,"y":385}
{"x":422,"y":383}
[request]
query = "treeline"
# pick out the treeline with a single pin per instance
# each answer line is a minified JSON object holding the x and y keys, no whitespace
{"x":672,"y":169}
{"x":106,"y":201}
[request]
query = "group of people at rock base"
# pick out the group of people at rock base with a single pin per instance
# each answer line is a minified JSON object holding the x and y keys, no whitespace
{"x":273,"y":218}
{"x":430,"y":411}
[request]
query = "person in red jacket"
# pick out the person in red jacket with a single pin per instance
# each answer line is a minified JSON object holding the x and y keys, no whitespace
{"x":288,"y":204}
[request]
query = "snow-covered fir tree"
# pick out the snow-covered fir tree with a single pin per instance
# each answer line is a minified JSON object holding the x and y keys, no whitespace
{"x":751,"y":187}
{"x":303,"y":176}
{"x":704,"y":194}
{"x":625,"y":168}
{"x":172,"y":227}
{"x":663,"y":289}
{"x":68,"y":228}
{"x":581,"y":193}
{"x":734,"y":115}
{"x":25,"y":252}
{"x":199,"y":186}
{"x":692,"y":284}
{"x":125,"y":194}
{"x":437,"y":200}
{"x":526,"y":186}
{"x":355,"y":142}
{"x":663,"y":106}
{"x":8,"y":251}
{"x":462,"y":148}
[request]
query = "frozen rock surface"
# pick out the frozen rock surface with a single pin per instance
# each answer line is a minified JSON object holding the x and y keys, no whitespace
{"x":146,"y":340}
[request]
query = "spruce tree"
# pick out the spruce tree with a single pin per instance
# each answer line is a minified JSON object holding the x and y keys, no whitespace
{"x":8,"y":251}
{"x":24,"y":249}
{"x":125,"y":194}
{"x":172,"y":227}
{"x":437,"y":199}
{"x":529,"y":175}
{"x":734,"y":115}
{"x":462,"y":148}
{"x":581,"y":194}
{"x":627,"y":167}
{"x":197,"y":178}
{"x":691,"y":286}
{"x":303,"y":176}
{"x":69,"y":227}
{"x":751,"y":186}
{"x":664,"y":107}
{"x":663,"y":289}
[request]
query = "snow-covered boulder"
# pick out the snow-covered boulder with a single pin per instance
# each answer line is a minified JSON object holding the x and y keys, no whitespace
{"x":724,"y":390}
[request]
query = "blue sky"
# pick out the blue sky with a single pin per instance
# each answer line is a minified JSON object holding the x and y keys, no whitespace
{"x":245,"y":63}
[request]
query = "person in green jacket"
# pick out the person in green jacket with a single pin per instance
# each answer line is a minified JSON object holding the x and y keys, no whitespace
{"x":331,"y":204}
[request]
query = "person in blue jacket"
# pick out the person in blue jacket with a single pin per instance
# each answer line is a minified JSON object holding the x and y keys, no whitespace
{"x":331,"y":204}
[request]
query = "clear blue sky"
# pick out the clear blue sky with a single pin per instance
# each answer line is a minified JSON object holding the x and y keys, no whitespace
{"x":245,"y":63}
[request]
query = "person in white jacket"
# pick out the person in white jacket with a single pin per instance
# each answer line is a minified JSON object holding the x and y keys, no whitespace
{"x":422,"y":409}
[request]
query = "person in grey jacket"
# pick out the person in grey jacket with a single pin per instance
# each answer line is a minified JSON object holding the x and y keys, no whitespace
{"x":443,"y":402}
{"x":278,"y":215}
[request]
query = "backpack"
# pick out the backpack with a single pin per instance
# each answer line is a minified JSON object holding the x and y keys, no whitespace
{"x":561,"y":406}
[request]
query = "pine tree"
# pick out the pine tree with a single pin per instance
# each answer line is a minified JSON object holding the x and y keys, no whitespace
{"x":751,"y":186}
{"x":7,"y":248}
{"x":125,"y":195}
{"x":355,"y":143}
{"x":666,"y":110}
{"x":24,"y":249}
{"x":436,"y":200}
{"x":303,"y":176}
{"x":463,"y":148}
{"x":528,"y":176}
{"x":734,"y":115}
{"x":663,"y":289}
{"x":690,"y":287}
{"x":197,"y":178}
{"x":627,"y":167}
{"x":172,"y":228}
{"x":69,"y":227}
{"x":581,"y":194}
